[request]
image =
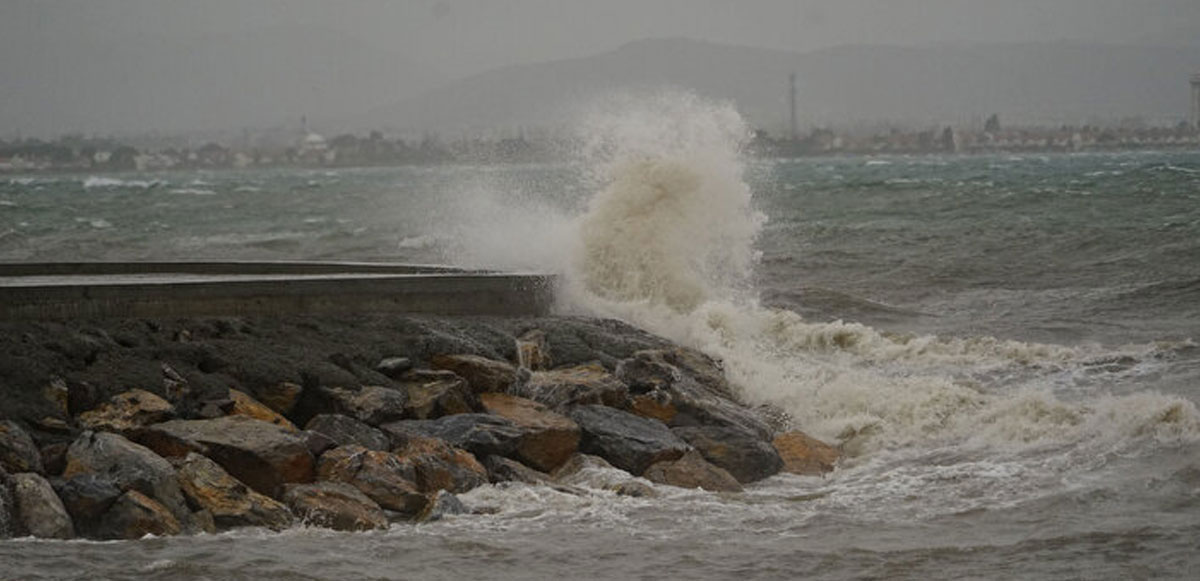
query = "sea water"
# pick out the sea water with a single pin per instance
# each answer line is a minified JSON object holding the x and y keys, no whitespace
{"x":1002,"y":345}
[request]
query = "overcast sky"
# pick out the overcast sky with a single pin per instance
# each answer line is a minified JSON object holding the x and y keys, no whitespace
{"x":459,"y":37}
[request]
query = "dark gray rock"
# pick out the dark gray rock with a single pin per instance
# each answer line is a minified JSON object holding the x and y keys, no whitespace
{"x":8,"y":512}
{"x":739,"y":452}
{"x":443,"y":505}
{"x":629,"y":442}
{"x":135,"y":515}
{"x":394,"y":367}
{"x":501,"y":469}
{"x":345,"y":431}
{"x":479,"y":434}
{"x":39,"y":511}
{"x":87,"y":497}
{"x":436,"y":393}
{"x":371,"y":404}
{"x":129,"y":466}
{"x":18,"y":453}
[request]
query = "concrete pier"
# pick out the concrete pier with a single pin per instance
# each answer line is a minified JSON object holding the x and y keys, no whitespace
{"x":63,"y":290}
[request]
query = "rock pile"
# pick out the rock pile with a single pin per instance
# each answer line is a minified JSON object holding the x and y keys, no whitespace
{"x":381,"y":442}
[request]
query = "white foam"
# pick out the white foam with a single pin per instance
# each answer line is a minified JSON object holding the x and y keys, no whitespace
{"x":96,"y":182}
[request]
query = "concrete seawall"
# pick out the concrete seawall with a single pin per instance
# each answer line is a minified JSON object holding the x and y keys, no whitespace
{"x":181,"y":289}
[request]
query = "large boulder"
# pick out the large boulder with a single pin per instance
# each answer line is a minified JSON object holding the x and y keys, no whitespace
{"x":346,"y":431}
{"x":631,"y":443}
{"x":244,"y":405}
{"x":371,"y":404}
{"x":262,"y":455}
{"x":693,"y":471}
{"x":39,"y":510}
{"x":135,"y":515}
{"x":127,"y":411}
{"x":87,"y":497}
{"x":439,"y":466}
{"x":479,"y":434}
{"x":689,"y":388}
{"x":281,"y":397}
{"x":18,"y":453}
{"x":8,"y":512}
{"x":334,"y":505}
{"x":383,"y":477}
{"x":501,"y":469}
{"x":746,"y":457}
{"x":433,"y":394}
{"x":482,"y":374}
{"x":128,"y":466}
{"x":803,"y":454}
{"x":549,"y":438}
{"x":588,"y":384}
{"x":231,"y":503}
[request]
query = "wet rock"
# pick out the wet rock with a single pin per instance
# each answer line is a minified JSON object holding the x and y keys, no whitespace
{"x":654,"y":405}
{"x":483,"y":375}
{"x":693,"y":471}
{"x":135,"y":515}
{"x":588,"y":384}
{"x":433,"y":394}
{"x":533,"y":351}
{"x":280,"y":397}
{"x":384,"y":477}
{"x":81,"y":397}
{"x":479,"y":434}
{"x":54,"y":457}
{"x":806,"y":455}
{"x":741,"y":453}
{"x":439,"y":466}
{"x":443,"y":504}
{"x":59,"y":396}
{"x":87,"y":497}
{"x":633,"y":489}
{"x":317,"y":442}
{"x":18,"y":453}
{"x":262,"y":455}
{"x":631,"y":443}
{"x":39,"y":510}
{"x":127,"y":411}
{"x":501,"y":469}
{"x":345,"y":431}
{"x":229,"y":502}
{"x":393,"y":367}
{"x":244,"y":405}
{"x":334,"y":505}
{"x":371,"y":404}
{"x":8,"y":512}
{"x":129,"y":466}
{"x":691,"y":384}
{"x":585,"y":470}
{"x":549,"y":439}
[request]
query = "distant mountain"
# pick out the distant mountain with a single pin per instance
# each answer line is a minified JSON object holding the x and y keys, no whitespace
{"x":1043,"y":83}
{"x":255,"y":78}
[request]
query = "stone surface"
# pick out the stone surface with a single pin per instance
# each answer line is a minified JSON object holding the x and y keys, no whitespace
{"x":54,"y":457}
{"x":483,"y":375}
{"x":244,"y":405}
{"x":588,"y":471}
{"x":262,"y":455}
{"x":589,"y":384}
{"x":129,"y":466}
{"x":746,"y":457}
{"x":479,"y":434}
{"x":439,"y":466}
{"x":533,"y":351}
{"x":39,"y":510}
{"x":87,"y":497}
{"x":631,"y":443}
{"x":806,"y":455}
{"x":501,"y":469}
{"x":127,"y":411}
{"x":135,"y":515}
{"x":371,"y":404}
{"x":654,"y":405}
{"x":549,"y":438}
{"x":280,"y":397}
{"x":442,"y":505}
{"x":393,"y":367}
{"x":384,"y":477}
{"x":693,"y":471}
{"x":334,"y":505}
{"x":8,"y":512}
{"x":18,"y":453}
{"x":344,"y":431}
{"x":229,"y":502}
{"x":433,"y":394}
{"x":693,"y":386}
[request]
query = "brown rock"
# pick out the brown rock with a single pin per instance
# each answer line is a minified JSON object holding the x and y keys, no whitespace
{"x":127,"y":411}
{"x":39,"y":510}
{"x":244,"y":405}
{"x":653,"y":405}
{"x":135,"y":515}
{"x":549,"y":438}
{"x":18,"y":453}
{"x":280,"y":397}
{"x":344,"y":431}
{"x":533,"y":351}
{"x":693,"y":471}
{"x":334,"y":505}
{"x":482,"y":374}
{"x":382,"y":476}
{"x":226,"y":499}
{"x":439,"y":466}
{"x":803,"y":454}
{"x":54,"y":457}
{"x":588,"y":384}
{"x":433,"y":394}
{"x":441,"y":505}
{"x":262,"y":455}
{"x":59,"y":395}
{"x":371,"y":404}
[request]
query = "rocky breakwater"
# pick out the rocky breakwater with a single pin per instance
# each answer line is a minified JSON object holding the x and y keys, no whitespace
{"x":118,"y":429}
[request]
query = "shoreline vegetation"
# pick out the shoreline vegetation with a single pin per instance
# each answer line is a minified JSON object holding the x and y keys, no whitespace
{"x":119,"y":428}
{"x":303,"y":149}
